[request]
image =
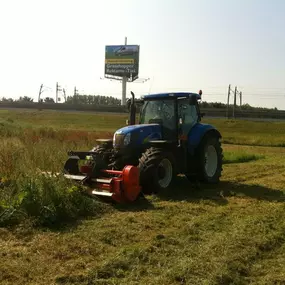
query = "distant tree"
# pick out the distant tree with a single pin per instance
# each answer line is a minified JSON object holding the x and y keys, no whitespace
{"x":49,"y":100}
{"x":93,"y":100}
{"x":10,"y":100}
{"x":219,"y":105}
{"x":25,"y":99}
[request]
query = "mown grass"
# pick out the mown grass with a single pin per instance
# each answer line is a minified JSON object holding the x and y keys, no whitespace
{"x":231,"y":233}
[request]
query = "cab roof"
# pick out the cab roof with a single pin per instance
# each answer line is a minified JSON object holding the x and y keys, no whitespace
{"x":171,"y":95}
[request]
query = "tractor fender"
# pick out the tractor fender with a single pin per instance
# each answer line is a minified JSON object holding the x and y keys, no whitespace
{"x":197,"y":133}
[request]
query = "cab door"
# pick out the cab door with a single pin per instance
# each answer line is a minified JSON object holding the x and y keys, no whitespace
{"x":187,"y":116}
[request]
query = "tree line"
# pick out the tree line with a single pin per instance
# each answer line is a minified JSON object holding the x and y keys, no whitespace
{"x":100,"y":100}
{"x":75,"y":99}
{"x":219,"y":105}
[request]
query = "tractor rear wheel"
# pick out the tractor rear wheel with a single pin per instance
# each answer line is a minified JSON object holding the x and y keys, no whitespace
{"x":157,"y":170}
{"x":208,"y":161}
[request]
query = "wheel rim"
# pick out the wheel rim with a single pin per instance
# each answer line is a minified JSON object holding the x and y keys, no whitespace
{"x":165,"y":172}
{"x":211,"y":161}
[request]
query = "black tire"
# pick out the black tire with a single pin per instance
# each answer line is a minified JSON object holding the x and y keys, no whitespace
{"x":155,"y":165}
{"x":71,"y":166}
{"x":208,"y":169}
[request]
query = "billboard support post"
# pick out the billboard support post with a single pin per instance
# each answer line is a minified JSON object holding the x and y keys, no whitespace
{"x":124,"y":85}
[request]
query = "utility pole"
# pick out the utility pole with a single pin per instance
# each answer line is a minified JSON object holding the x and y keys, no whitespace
{"x":64,"y":94}
{"x":40,"y":92}
{"x":229,"y":93}
{"x":124,"y":85}
{"x":235,"y":101}
{"x":236,"y":92}
{"x":56,"y":92}
{"x":75,"y":91}
{"x":58,"y":88}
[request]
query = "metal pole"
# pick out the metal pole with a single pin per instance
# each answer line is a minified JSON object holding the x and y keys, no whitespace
{"x":124,"y":85}
{"x":235,"y":101}
{"x":56,"y":94}
{"x":229,"y":92}
{"x":40,"y":92}
{"x":64,"y":94}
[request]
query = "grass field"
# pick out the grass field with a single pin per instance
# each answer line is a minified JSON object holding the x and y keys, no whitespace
{"x":232,"y":233}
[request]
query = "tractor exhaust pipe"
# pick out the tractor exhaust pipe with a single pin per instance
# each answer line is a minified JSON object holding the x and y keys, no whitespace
{"x":132,"y":109}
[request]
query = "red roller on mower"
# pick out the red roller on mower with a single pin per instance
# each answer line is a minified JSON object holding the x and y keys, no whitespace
{"x":121,"y":186}
{"x":118,"y":185}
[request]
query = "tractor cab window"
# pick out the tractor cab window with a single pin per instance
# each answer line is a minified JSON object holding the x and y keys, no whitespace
{"x":161,"y":112}
{"x":188,"y":114}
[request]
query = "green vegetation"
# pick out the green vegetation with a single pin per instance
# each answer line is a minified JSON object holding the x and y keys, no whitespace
{"x":50,"y":233}
{"x":246,"y":132}
{"x":75,"y":99}
{"x":240,"y":157}
{"x":24,"y":191}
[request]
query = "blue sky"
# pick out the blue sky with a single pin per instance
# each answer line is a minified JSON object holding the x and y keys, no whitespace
{"x":185,"y":45}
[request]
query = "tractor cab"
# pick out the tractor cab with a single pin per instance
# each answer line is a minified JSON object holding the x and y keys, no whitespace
{"x":176,"y":113}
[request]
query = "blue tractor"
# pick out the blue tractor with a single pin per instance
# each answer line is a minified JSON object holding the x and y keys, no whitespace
{"x":168,"y":140}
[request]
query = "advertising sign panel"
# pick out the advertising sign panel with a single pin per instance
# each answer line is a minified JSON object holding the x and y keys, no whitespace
{"x":122,"y":60}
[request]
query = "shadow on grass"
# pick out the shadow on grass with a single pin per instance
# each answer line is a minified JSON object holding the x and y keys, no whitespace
{"x":219,"y":193}
{"x":185,"y":191}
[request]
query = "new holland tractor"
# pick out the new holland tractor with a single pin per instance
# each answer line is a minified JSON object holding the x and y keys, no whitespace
{"x":168,"y":140}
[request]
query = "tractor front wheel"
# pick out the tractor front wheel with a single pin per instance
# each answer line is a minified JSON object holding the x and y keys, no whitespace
{"x":157,"y":169}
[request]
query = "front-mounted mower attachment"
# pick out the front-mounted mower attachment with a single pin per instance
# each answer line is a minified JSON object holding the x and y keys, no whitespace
{"x":90,"y":170}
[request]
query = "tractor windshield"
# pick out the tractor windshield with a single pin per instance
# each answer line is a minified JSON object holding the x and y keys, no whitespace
{"x":160,"y":111}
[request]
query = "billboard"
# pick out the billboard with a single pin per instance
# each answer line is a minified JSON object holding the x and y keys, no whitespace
{"x":122,"y":60}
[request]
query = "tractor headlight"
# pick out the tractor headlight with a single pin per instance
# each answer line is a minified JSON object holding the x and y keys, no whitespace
{"x":127,"y":139}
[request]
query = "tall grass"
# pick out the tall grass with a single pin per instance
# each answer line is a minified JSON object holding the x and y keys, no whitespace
{"x":24,"y":192}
